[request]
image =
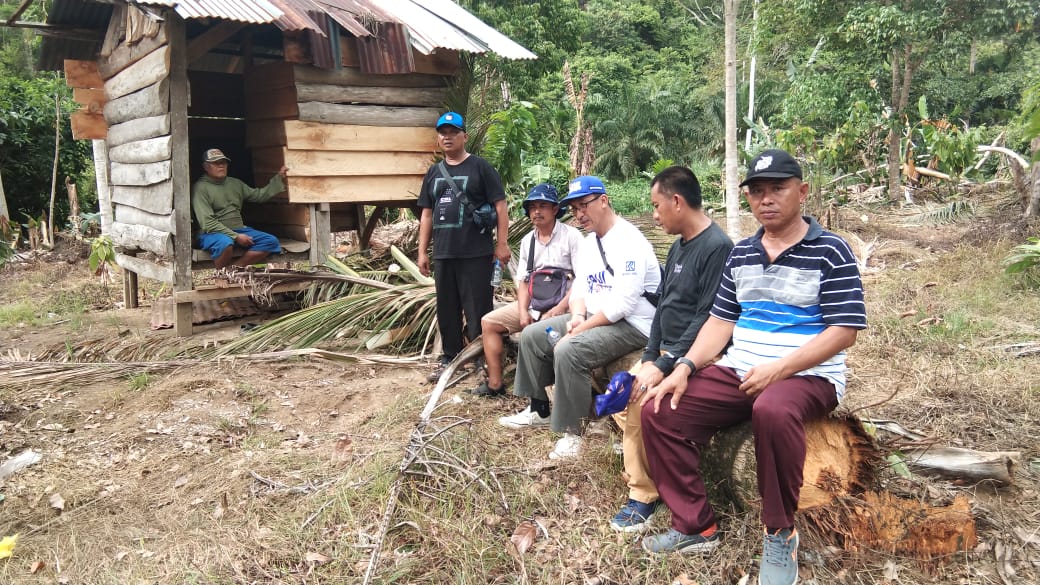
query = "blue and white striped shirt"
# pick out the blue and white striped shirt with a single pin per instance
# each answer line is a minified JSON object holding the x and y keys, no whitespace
{"x":777,"y":307}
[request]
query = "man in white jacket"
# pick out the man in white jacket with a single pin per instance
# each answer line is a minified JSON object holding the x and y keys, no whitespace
{"x":616,"y":276}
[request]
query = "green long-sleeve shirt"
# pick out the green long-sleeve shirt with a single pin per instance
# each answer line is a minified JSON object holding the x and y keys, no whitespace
{"x":218,"y":206}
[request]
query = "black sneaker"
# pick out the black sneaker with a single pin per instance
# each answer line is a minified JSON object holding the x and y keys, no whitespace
{"x":487,"y":391}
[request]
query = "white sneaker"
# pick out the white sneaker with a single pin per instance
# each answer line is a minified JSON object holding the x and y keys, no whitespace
{"x":524,"y":418}
{"x":567,"y":448}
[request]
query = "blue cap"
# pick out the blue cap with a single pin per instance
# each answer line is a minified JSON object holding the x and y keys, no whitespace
{"x":451,"y":119}
{"x":543,"y":192}
{"x":582,"y":186}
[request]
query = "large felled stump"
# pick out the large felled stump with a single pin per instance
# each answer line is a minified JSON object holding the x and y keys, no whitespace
{"x":836,"y":508}
{"x":839,"y":461}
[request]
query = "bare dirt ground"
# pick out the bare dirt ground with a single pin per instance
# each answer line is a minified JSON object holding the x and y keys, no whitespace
{"x":235,"y":472}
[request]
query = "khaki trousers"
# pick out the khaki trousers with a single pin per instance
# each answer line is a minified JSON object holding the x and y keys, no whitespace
{"x":641,"y":487}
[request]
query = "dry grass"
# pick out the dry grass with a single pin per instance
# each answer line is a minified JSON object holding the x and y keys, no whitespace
{"x":278,"y":472}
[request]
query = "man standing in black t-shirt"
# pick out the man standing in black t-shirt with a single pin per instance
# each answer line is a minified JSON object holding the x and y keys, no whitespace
{"x":463,"y":253}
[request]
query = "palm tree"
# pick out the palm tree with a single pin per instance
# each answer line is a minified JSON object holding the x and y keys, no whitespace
{"x":630,"y":129}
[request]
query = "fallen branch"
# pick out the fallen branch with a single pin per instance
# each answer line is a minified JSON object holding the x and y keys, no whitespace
{"x":416,"y":444}
{"x":1022,"y":162}
{"x":965,"y":464}
{"x":952,"y":462}
{"x":16,"y":374}
{"x":996,"y":142}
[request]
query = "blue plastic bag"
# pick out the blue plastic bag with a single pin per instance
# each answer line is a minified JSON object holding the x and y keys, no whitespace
{"x":615,"y":399}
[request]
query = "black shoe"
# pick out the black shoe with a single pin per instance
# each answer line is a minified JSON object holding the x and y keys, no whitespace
{"x":487,"y":391}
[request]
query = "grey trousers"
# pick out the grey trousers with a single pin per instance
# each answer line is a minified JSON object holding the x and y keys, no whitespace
{"x":569,"y":366}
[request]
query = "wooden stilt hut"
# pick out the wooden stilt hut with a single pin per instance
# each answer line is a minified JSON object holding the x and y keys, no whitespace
{"x":343,"y":92}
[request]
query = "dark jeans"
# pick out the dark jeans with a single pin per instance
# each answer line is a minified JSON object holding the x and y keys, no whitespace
{"x":463,"y":288}
{"x":713,"y":401}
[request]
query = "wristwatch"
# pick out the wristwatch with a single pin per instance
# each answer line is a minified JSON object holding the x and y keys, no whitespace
{"x":688,"y":363}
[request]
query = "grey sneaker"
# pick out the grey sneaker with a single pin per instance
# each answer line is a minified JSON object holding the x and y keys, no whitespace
{"x":779,"y":558}
{"x":675,"y":541}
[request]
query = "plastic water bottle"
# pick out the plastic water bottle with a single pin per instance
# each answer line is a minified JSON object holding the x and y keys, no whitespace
{"x":553,"y":335}
{"x":496,"y":274}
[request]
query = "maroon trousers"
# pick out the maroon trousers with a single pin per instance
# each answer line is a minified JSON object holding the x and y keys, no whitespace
{"x":714,"y":401}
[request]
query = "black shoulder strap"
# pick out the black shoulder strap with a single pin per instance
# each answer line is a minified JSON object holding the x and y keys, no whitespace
{"x":603,"y":255}
{"x":451,"y":180}
{"x":530,"y":255}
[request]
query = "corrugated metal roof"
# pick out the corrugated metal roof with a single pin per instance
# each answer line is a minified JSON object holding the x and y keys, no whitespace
{"x":252,"y":11}
{"x":465,"y":24}
{"x":431,"y":24}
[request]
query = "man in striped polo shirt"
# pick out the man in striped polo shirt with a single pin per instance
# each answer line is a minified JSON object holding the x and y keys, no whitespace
{"x":789,"y":304}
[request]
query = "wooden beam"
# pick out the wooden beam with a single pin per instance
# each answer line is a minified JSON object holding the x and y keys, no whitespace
{"x":18,"y":11}
{"x":150,"y":150}
{"x":353,"y":189}
{"x":140,"y":175}
{"x":211,"y":293}
{"x":211,"y":38}
{"x":368,"y":115}
{"x":104,"y":187}
{"x":349,"y":76}
{"x":157,"y":199}
{"x":145,"y":268}
{"x":134,"y":216}
{"x":151,"y":101}
{"x":138,"y":129}
{"x":82,"y":74}
{"x":180,"y":171}
{"x":91,"y":100}
{"x":386,"y":96}
{"x":323,"y":163}
{"x":319,"y":136}
{"x":130,"y":290}
{"x":150,"y":69}
{"x":139,"y":237}
{"x":321,"y":234}
{"x":88,"y":126}
{"x":68,"y":33}
{"x":125,"y":55}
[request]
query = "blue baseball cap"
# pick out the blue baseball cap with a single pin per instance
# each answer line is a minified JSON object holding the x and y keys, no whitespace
{"x":451,"y":119}
{"x":582,"y":186}
{"x":543,"y":192}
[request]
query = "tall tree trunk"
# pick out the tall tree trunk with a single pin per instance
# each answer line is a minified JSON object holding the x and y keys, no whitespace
{"x":732,"y":155}
{"x":895,"y":191}
{"x":751,"y":77}
{"x":104,"y":190}
{"x":49,"y":239}
{"x":4,"y":213}
{"x":1033,"y":209}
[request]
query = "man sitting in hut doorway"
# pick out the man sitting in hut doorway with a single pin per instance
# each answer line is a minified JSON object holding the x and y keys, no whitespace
{"x":217,"y":199}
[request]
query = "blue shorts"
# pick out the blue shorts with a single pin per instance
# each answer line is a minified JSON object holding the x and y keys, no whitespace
{"x":215,"y":244}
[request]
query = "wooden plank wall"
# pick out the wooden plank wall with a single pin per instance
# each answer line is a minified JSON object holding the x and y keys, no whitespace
{"x":125,"y":99}
{"x":347,"y":137}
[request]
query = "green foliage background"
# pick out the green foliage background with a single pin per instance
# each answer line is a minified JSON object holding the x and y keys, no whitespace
{"x":823,"y":79}
{"x":27,"y":118}
{"x":822,"y":88}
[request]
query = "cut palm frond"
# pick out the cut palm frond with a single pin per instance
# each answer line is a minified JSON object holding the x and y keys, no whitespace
{"x":350,"y":321}
{"x":950,"y":213}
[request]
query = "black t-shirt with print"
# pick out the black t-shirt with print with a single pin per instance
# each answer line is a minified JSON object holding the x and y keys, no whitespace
{"x":454,"y":234}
